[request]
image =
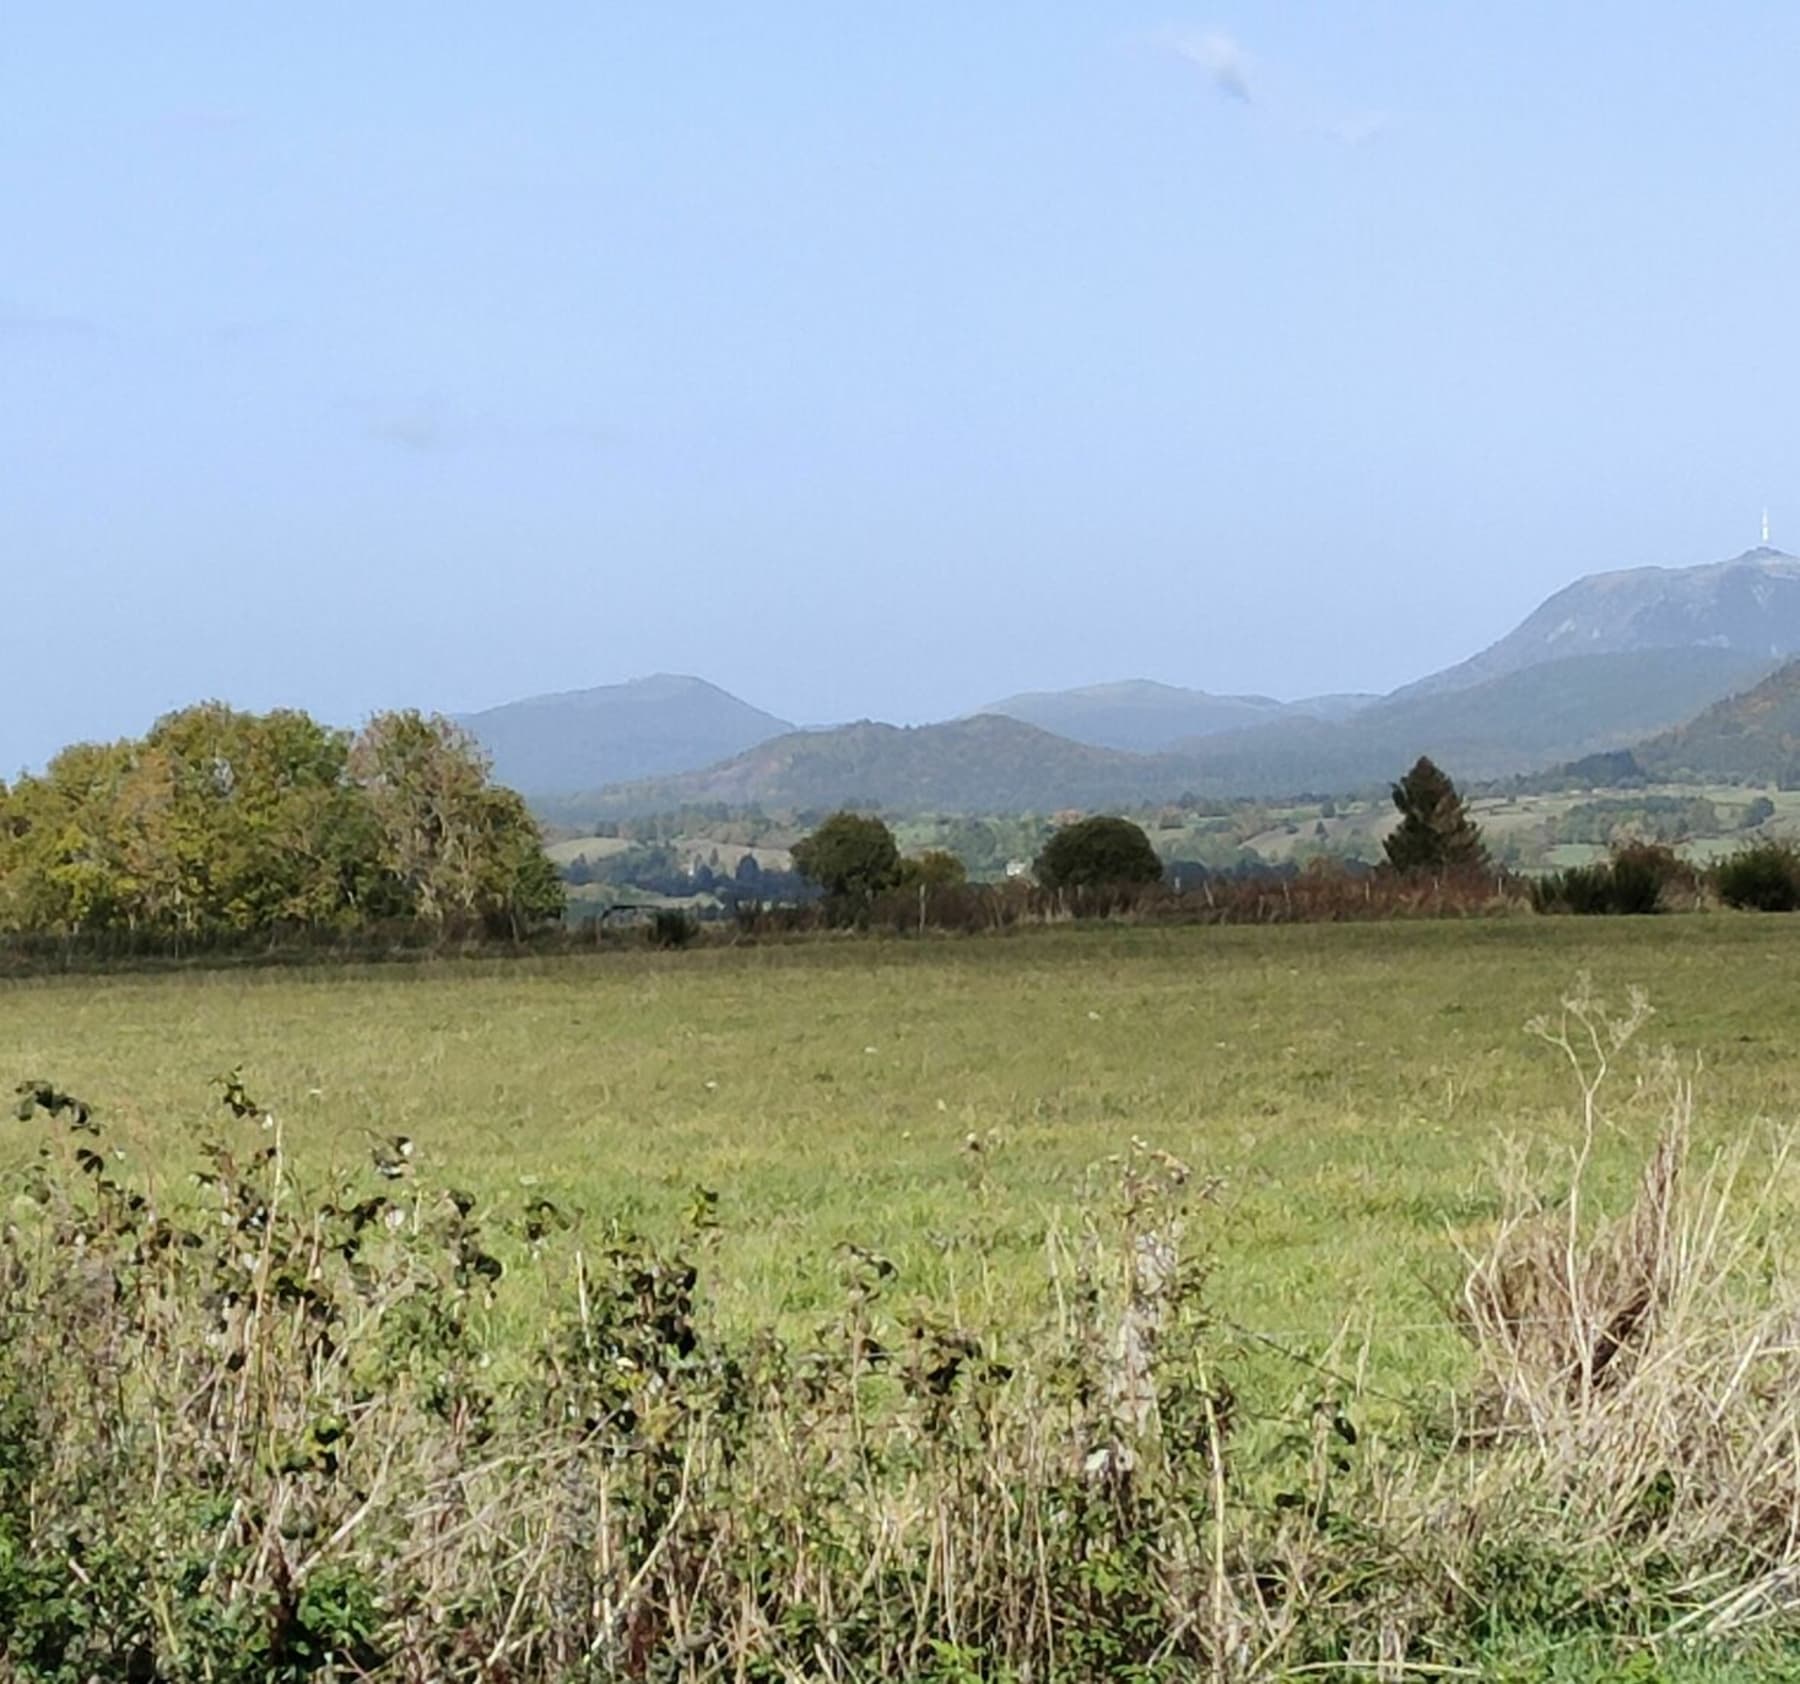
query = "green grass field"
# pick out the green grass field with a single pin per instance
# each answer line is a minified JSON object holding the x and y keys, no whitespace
{"x":1348,"y":1085}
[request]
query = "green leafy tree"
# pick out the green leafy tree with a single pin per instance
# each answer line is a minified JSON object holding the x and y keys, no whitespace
{"x":1097,"y":851}
{"x":220,"y":821}
{"x":217,"y":820}
{"x":244,"y":820}
{"x":520,"y":890}
{"x":465,"y":853}
{"x":425,"y":780}
{"x":851,"y":856}
{"x":934,"y":869}
{"x":1435,"y":831}
{"x":67,"y":871}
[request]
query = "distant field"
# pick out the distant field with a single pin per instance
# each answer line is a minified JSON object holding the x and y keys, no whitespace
{"x":1517,"y":827}
{"x":1348,"y":1085}
{"x":592,"y":848}
{"x":1529,"y":833}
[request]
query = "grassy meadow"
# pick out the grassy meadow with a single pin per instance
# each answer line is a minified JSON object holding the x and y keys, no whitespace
{"x":938,"y":1102}
{"x":317,"y":1416}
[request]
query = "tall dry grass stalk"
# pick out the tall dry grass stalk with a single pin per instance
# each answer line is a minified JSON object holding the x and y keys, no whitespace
{"x":1636,"y":1398}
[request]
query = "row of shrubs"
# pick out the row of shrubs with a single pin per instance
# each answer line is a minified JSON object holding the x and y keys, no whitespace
{"x":1646,"y":877}
{"x":1638,"y":877}
{"x":1323,"y":893}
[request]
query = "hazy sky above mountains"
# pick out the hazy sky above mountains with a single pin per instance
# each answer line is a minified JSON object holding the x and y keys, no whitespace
{"x":868,"y":361}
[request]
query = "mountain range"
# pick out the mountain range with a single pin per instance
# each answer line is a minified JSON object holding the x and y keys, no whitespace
{"x":1750,"y":604}
{"x":583,"y":739}
{"x":990,"y":763}
{"x":1612,"y":660}
{"x":1145,"y":717}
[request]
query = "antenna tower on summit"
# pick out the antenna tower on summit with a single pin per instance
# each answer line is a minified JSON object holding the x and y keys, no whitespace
{"x":1765,"y":529}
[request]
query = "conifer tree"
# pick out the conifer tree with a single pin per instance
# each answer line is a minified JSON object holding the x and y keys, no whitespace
{"x":1435,"y":831}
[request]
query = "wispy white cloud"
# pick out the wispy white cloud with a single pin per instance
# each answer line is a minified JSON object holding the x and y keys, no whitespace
{"x":1223,"y":61}
{"x":1233,"y":73}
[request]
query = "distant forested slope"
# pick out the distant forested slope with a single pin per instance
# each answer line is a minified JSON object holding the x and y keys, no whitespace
{"x":1519,"y":722}
{"x":1749,"y":738}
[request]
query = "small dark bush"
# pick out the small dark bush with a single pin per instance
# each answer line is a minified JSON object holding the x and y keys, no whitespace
{"x":1636,"y":887}
{"x":671,"y":927}
{"x":1638,"y":864}
{"x":1764,"y":877}
{"x":1640,"y":878}
{"x":1582,"y":889}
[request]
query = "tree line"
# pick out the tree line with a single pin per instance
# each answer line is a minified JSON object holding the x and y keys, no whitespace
{"x":220,"y":822}
{"x":853,"y":857}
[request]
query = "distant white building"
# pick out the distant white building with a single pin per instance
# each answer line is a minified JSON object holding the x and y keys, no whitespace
{"x":1017,"y":868}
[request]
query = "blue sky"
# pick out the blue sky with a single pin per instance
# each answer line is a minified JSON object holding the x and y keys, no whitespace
{"x":867,"y":360}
